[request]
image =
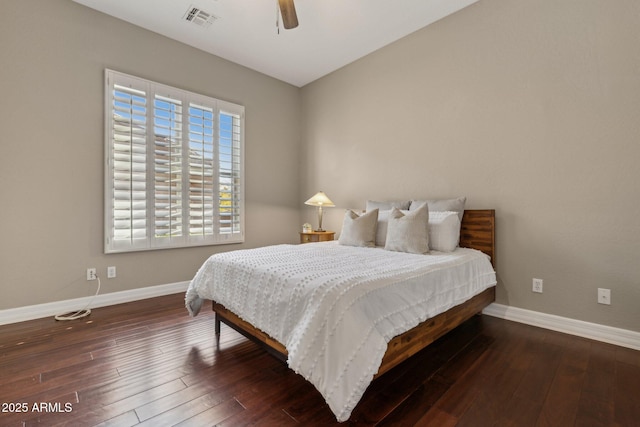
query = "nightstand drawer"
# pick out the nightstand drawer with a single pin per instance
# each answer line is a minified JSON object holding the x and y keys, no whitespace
{"x":316,"y":236}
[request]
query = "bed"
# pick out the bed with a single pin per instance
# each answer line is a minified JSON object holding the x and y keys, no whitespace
{"x":347,"y":320}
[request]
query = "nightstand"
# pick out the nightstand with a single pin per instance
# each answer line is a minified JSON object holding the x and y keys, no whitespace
{"x":316,"y":236}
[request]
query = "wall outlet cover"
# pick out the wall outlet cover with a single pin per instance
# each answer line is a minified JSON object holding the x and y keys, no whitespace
{"x":604,"y":296}
{"x":537,"y":286}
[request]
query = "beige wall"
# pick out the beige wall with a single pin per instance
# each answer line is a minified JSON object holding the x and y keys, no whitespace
{"x":528,"y":107}
{"x":53,"y":54}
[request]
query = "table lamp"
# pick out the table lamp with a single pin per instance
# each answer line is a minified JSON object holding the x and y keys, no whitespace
{"x":321,"y":201}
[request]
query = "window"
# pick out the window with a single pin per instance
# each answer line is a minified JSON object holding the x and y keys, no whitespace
{"x":174,"y":175}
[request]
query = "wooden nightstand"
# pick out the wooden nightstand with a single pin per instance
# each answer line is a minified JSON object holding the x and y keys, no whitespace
{"x":316,"y":236}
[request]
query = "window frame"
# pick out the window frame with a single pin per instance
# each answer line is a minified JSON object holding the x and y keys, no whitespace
{"x":217,"y":231}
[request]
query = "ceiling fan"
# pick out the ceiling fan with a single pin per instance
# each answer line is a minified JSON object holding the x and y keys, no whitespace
{"x":288,"y":11}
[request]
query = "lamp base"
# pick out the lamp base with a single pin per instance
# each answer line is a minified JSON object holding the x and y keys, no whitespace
{"x":320,"y":230}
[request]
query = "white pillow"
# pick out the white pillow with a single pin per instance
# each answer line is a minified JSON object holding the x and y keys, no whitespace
{"x":381,"y":232}
{"x":387,"y":206}
{"x":456,"y":205}
{"x":408,"y":232}
{"x":359,"y":230}
{"x":444,"y":231}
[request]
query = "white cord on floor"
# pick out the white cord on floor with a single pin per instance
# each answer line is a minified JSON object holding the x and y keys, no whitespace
{"x":80,"y":313}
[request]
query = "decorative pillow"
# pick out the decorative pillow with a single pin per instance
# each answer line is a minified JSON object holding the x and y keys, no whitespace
{"x":408,"y":232}
{"x":387,"y":206}
{"x":456,"y":205}
{"x":381,"y":232}
{"x":359,"y":230}
{"x":444,"y":231}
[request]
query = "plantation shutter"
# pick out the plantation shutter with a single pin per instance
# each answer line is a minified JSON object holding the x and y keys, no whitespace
{"x":167,"y":218}
{"x":129,"y":165}
{"x":174,"y":173}
{"x":230,"y":173}
{"x":201,"y":170}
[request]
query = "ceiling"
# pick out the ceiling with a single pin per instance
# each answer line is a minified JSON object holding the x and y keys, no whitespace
{"x":331,"y":34}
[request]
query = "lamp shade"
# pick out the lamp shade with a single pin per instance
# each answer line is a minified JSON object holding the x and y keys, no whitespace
{"x":320,"y":199}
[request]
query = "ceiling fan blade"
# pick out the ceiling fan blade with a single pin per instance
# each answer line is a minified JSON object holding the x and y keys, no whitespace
{"x":288,"y":11}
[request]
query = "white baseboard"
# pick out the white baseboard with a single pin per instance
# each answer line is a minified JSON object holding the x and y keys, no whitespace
{"x":594,"y":331}
{"x":31,"y":312}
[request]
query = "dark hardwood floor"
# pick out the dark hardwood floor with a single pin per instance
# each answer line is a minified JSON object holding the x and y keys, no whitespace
{"x":149,"y":364}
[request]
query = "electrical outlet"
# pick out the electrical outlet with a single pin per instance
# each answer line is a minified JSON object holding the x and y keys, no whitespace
{"x":91,"y":274}
{"x":111,"y":272}
{"x":604,"y":296}
{"x":537,"y":286}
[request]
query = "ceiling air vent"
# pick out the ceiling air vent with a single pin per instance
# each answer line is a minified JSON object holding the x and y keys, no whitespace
{"x":199,"y":17}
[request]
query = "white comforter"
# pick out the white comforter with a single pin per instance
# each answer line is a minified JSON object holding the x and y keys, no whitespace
{"x":336,"y":307}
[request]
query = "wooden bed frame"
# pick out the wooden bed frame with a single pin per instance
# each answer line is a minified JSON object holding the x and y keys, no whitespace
{"x":477,"y":232}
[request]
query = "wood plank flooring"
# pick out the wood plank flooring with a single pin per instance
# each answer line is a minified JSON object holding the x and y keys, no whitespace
{"x":149,"y":364}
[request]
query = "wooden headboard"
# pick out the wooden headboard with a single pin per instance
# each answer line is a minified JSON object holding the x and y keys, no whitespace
{"x":478,"y":231}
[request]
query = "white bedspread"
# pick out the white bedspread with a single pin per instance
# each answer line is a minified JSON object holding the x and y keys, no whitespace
{"x":336,"y":307}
